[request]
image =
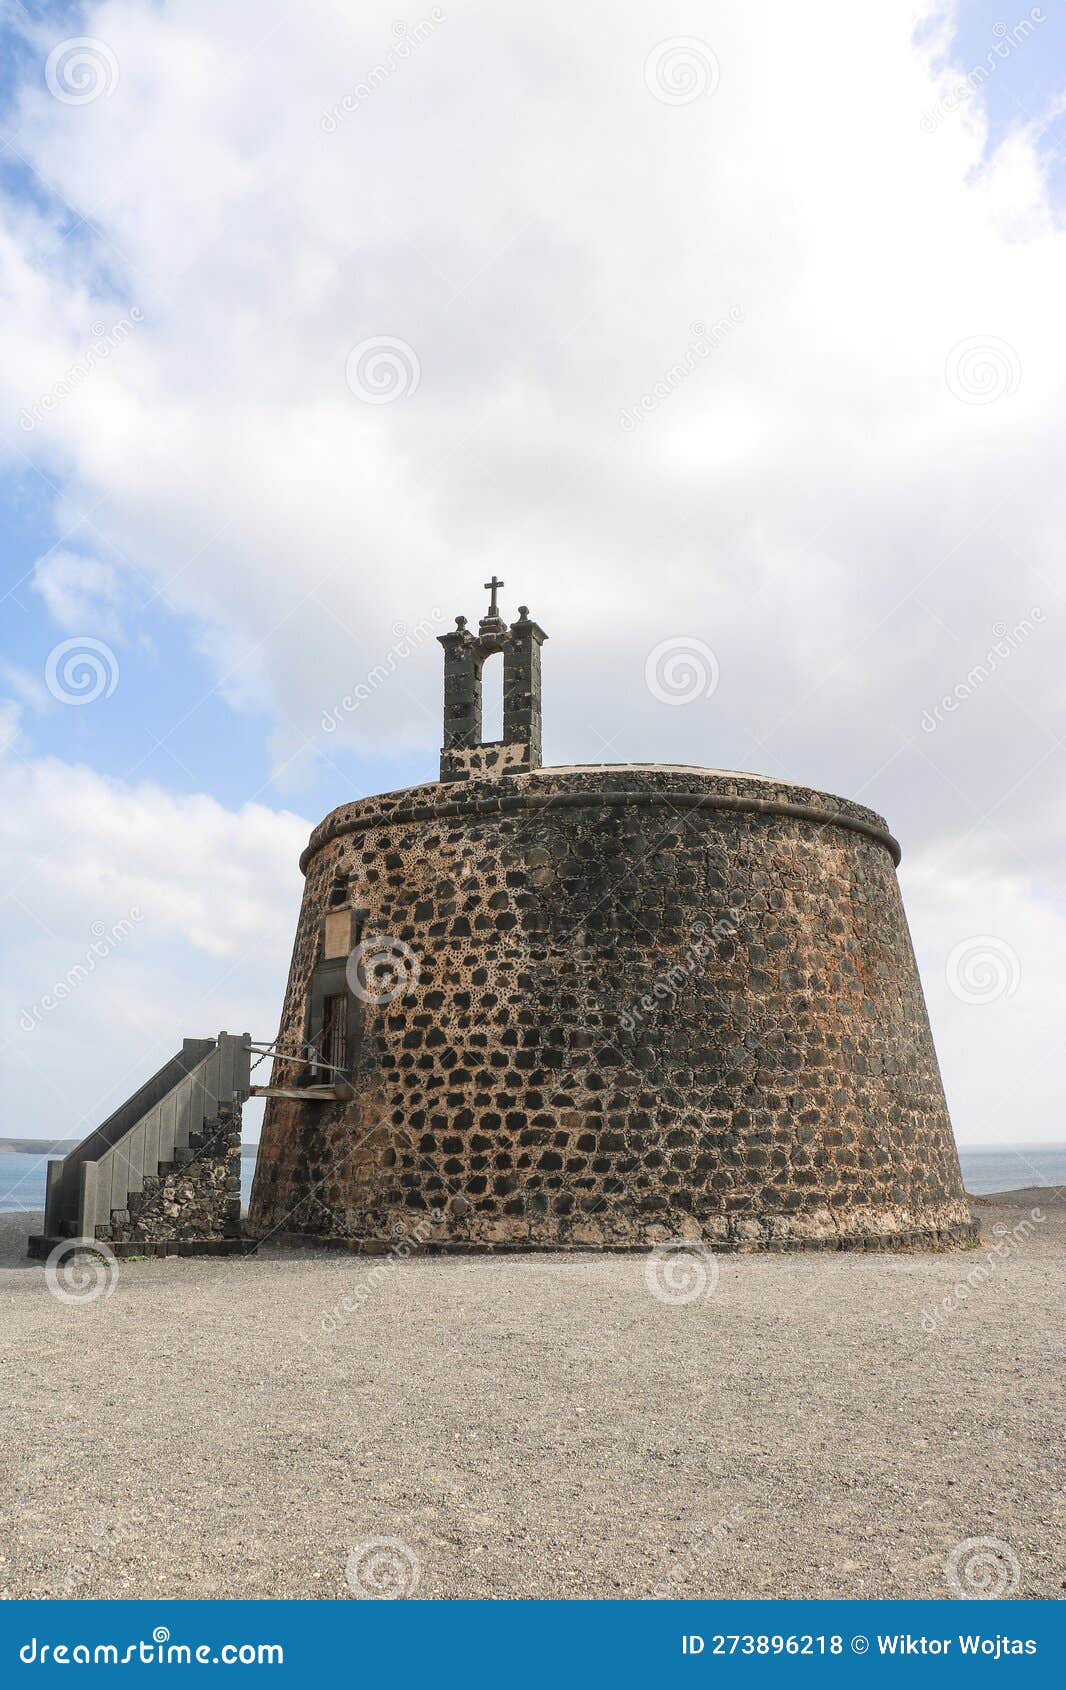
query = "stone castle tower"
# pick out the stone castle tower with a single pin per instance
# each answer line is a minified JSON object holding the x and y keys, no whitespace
{"x":601,"y":1007}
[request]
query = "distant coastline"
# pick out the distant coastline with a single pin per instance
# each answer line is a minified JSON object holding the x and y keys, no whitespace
{"x":37,"y":1146}
{"x":987,"y":1170}
{"x":62,"y":1147}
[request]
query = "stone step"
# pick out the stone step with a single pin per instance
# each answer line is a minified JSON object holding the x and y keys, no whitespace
{"x":40,"y":1247}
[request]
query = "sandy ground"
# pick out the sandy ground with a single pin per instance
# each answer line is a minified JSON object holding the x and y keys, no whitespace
{"x":541,"y":1426}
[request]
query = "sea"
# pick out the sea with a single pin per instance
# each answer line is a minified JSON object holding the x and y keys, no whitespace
{"x":22,"y":1180}
{"x":22,"y":1177}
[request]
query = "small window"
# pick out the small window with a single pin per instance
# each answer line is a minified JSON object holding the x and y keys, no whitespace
{"x":333,"y":1046}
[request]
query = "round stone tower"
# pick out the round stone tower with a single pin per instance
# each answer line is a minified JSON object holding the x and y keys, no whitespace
{"x":601,"y":1007}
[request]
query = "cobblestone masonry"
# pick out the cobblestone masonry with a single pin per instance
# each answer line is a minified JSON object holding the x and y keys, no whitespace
{"x":632,"y":1004}
{"x":198,"y":1198}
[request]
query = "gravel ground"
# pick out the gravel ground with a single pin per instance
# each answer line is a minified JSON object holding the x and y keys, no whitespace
{"x":540,"y":1426}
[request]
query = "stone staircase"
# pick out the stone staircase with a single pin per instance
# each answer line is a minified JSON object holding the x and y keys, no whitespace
{"x":161,"y":1176}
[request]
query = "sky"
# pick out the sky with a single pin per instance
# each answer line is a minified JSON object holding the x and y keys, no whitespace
{"x":731,"y":338}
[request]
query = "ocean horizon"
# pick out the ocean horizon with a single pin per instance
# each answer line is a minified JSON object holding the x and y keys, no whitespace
{"x":22,"y":1176}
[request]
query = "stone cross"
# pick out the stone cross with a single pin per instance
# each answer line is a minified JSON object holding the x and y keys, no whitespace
{"x":491,"y":587}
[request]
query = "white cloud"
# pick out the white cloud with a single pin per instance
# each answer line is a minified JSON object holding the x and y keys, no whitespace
{"x":81,"y":592}
{"x":205,"y":900}
{"x":10,"y":725}
{"x":828,"y":500}
{"x":990,"y":952}
{"x":29,"y":687}
{"x":821,"y":501}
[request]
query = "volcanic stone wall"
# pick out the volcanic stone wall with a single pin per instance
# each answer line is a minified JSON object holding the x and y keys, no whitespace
{"x":620,"y":1005}
{"x":196,"y":1201}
